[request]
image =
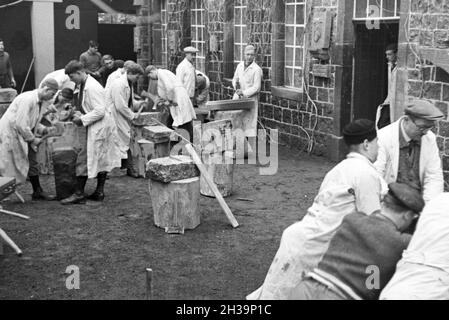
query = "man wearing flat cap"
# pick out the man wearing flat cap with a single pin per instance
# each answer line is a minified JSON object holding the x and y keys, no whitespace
{"x":360,"y":243}
{"x":408,"y":151}
{"x":186,"y":71}
{"x":352,"y":186}
{"x":20,"y":132}
{"x":423,"y":271}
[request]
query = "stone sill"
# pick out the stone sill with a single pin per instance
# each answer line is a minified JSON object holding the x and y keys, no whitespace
{"x":287,"y":93}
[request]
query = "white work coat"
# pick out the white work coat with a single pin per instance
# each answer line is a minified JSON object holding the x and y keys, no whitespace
{"x":250,"y":82}
{"x":423,"y":271}
{"x":16,"y":132}
{"x":391,"y":97}
{"x":186,"y":74}
{"x":170,"y":88}
{"x":352,"y":186}
{"x":430,"y":170}
{"x":117,"y":98}
{"x":203,"y":97}
{"x":103,"y":152}
{"x":61,"y":78}
{"x":114,"y":76}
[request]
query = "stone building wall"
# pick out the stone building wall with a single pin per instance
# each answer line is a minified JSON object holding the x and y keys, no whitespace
{"x":425,"y":66}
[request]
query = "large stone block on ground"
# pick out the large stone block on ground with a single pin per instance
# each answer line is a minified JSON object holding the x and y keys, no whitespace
{"x":156,"y":134}
{"x":7,"y":95}
{"x":171,"y":169}
{"x":147,"y":119}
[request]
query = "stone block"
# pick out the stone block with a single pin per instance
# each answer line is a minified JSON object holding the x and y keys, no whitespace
{"x":171,"y":169}
{"x":156,"y":134}
{"x":147,"y":119}
{"x":7,"y":95}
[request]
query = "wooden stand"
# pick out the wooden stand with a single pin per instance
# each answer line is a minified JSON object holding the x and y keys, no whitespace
{"x":176,"y":204}
{"x":221,"y":169}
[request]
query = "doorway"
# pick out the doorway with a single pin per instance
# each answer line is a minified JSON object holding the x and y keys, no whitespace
{"x":370,"y":67}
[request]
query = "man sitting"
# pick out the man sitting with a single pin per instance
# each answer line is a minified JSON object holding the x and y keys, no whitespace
{"x":362,"y":255}
{"x":423,"y":272}
{"x":351,"y":186}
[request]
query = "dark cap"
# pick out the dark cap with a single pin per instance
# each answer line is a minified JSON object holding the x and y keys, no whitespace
{"x":67,"y":93}
{"x":406,"y":196}
{"x":358,"y":131}
{"x":423,"y":109}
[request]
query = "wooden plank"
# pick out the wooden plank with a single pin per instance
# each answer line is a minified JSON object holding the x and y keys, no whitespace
{"x":229,"y":105}
{"x":212,"y":185}
{"x":9,"y":242}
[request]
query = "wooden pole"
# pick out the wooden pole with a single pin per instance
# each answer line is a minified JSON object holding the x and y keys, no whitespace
{"x":14,"y":214}
{"x":212,"y":185}
{"x":149,"y":282}
{"x":19,"y":196}
{"x":11,"y":243}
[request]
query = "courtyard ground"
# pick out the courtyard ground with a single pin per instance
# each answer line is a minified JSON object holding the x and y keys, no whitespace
{"x":112,"y":243}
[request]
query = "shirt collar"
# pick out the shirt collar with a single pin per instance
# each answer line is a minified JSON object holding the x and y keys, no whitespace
{"x":404,"y":139}
{"x":356,"y":155}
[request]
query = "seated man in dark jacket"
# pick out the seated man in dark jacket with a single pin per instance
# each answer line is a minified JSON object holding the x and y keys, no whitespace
{"x":363,"y":253}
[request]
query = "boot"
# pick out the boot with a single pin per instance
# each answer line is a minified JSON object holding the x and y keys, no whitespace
{"x":78,"y":197}
{"x":38,"y":192}
{"x":98,"y":195}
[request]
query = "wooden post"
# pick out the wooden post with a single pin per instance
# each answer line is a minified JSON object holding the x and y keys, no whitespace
{"x":149,"y":283}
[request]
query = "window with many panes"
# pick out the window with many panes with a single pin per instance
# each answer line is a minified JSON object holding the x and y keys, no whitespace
{"x":164,"y":51}
{"x":240,"y":36}
{"x":198,"y":30}
{"x":295,"y":20}
{"x":376,"y":9}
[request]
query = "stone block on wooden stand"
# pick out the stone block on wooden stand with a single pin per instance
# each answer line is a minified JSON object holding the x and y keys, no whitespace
{"x":176,"y":204}
{"x":172,"y":168}
{"x":214,"y":137}
{"x":147,"y":119}
{"x":156,"y":134}
{"x":7,"y":95}
{"x":221,"y":169}
{"x":7,"y":187}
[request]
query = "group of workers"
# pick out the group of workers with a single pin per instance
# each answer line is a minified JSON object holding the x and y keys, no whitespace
{"x":103,"y":109}
{"x":359,"y":239}
{"x":376,"y":229}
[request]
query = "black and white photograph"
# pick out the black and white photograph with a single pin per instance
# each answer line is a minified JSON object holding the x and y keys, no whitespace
{"x":224,"y":155}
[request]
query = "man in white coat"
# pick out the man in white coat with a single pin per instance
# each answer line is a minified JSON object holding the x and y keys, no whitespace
{"x":120,"y":99}
{"x":122,"y":67}
{"x":423,"y":271}
{"x":98,"y":151}
{"x":408,"y":150}
{"x":352,"y":186}
{"x":186,"y":71}
{"x":20,"y":129}
{"x":170,"y":88}
{"x":61,"y":78}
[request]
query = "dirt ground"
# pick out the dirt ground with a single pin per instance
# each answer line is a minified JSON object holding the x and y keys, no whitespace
{"x":112,"y":243}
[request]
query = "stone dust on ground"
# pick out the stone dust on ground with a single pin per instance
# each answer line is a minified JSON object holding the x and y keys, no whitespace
{"x":112,"y":243}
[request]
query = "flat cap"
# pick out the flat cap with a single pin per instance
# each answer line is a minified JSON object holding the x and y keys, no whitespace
{"x":148,"y":69}
{"x":190,"y":50}
{"x":407,"y":196}
{"x":423,"y":109}
{"x":358,"y":131}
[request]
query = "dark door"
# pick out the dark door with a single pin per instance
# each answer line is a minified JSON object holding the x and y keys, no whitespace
{"x":117,"y":40}
{"x":371,"y":73}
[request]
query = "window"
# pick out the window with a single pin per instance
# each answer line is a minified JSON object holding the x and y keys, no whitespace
{"x":376,"y":9}
{"x":164,"y":51}
{"x":240,"y":7}
{"x":198,"y":29}
{"x":295,"y":20}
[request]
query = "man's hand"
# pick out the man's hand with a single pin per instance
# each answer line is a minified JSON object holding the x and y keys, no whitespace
{"x":239,"y":92}
{"x":35,"y":143}
{"x":13,"y":83}
{"x":50,"y":130}
{"x":77,"y":119}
